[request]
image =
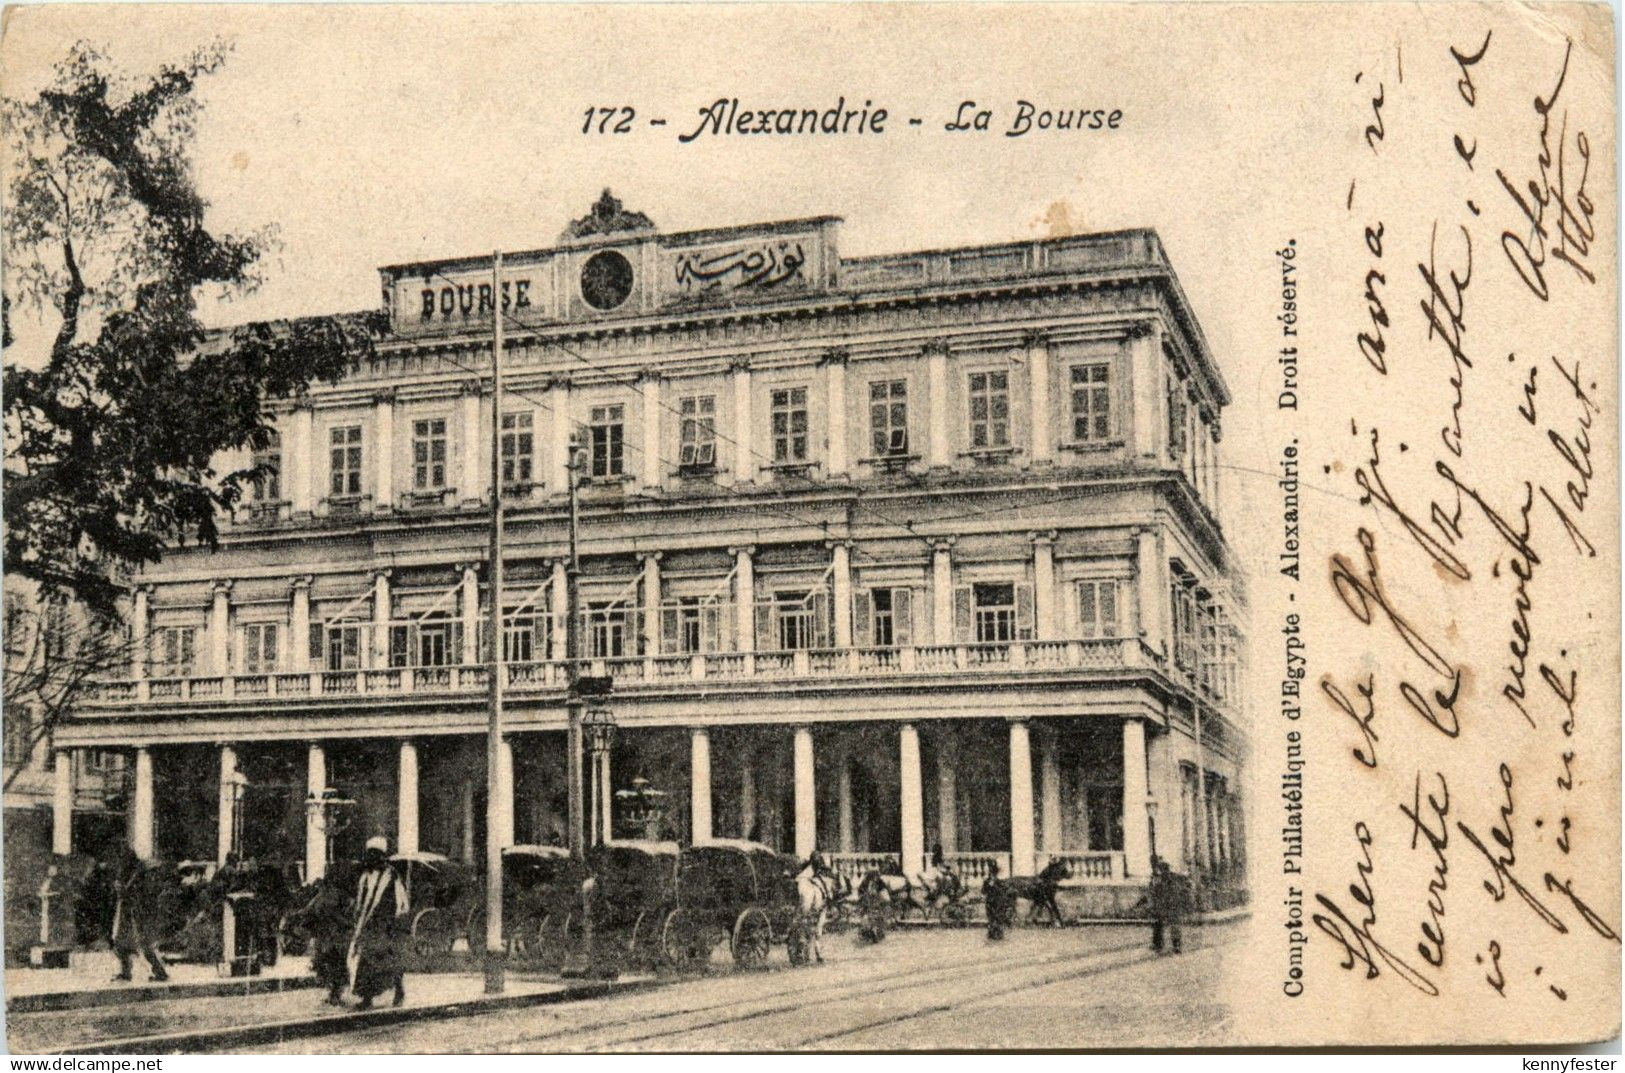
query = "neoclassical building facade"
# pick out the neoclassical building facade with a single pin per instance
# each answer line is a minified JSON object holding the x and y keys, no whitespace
{"x":879,"y":554}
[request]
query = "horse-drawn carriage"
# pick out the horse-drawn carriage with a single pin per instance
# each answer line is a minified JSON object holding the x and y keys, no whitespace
{"x":735,"y":891}
{"x":444,"y":895}
{"x":634,"y":892}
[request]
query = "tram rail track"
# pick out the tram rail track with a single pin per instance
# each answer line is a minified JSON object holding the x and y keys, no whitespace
{"x":816,"y":996}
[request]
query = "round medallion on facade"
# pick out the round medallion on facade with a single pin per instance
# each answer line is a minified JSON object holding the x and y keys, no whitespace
{"x":606,"y":279}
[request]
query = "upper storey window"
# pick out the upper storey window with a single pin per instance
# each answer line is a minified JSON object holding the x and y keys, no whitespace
{"x":174,"y":651}
{"x":267,"y":487}
{"x":518,"y":449}
{"x":888,"y":417}
{"x":1092,"y":402}
{"x":698,"y":435}
{"x":608,"y":440}
{"x":429,"y":454}
{"x":989,"y":410}
{"x":790,"y":425}
{"x":345,"y":461}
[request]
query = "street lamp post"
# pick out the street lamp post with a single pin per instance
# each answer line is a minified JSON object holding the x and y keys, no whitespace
{"x":599,"y":727}
{"x":497,"y":809}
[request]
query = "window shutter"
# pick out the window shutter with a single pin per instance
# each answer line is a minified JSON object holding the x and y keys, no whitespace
{"x":315,"y":650}
{"x":711,"y":625}
{"x":1024,"y":611}
{"x":902,"y":616}
{"x":669,"y":629}
{"x":400,"y":645}
{"x":1088,"y":612}
{"x":861,"y":628}
{"x":821,"y":624}
{"x":767,"y":638}
{"x":634,"y":625}
{"x":1108,"y":610}
{"x":964,"y":630}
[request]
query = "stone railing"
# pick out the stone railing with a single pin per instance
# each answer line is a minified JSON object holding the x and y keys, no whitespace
{"x":634,"y":673}
{"x":857,"y":865}
{"x":1083,"y":866}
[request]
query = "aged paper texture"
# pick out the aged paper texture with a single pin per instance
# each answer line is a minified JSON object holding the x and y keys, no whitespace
{"x":1065,"y":526}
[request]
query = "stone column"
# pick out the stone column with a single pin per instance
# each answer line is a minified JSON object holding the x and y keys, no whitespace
{"x":1021,"y":800}
{"x":469,"y":610}
{"x":651,"y":603}
{"x":806,"y":839}
{"x":1151,"y":589}
{"x":745,"y":596}
{"x":649,"y":449}
{"x":381,"y":612}
{"x":1149,"y":397}
{"x":942,"y":592}
{"x":841,"y":577}
{"x":406,"y":809}
{"x":913,"y":818}
{"x":699,"y":784}
{"x":1038,"y":376}
{"x":835,"y":401}
{"x":947,"y":792}
{"x":606,"y":798}
{"x":1049,"y":802}
{"x":141,"y":829}
{"x":383,"y":450}
{"x":747,"y":794}
{"x":1136,"y":788}
{"x":744,"y":464}
{"x":936,"y":368}
{"x":470,"y":485}
{"x":315,"y":818}
{"x":1044,"y":586}
{"x":843,"y":801}
{"x":299,"y":625}
{"x":468,"y":819}
{"x":558,"y":604}
{"x":62,"y":802}
{"x":299,"y":457}
{"x":557,"y":475}
{"x":140,"y":626}
{"x":503,"y":813}
{"x":220,"y":628}
{"x":226,"y":814}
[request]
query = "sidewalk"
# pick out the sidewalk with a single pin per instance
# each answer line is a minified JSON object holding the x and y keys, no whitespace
{"x":182,"y":1024}
{"x":88,"y":981}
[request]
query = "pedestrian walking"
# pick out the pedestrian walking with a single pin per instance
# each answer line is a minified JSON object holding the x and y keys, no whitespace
{"x":326,"y":919}
{"x":1169,"y":901}
{"x":998,"y":902}
{"x":135,"y":916}
{"x":374,"y":958}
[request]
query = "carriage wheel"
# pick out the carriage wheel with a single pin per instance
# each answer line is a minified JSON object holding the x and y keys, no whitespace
{"x":430,"y":934}
{"x":681,"y":946}
{"x":641,"y":929}
{"x":752,"y":938}
{"x":798,"y":943}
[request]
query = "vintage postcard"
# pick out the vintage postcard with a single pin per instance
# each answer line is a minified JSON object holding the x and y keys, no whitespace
{"x":810,"y":527}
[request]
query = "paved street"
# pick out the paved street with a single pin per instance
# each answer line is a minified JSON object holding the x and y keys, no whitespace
{"x":1072,"y":988}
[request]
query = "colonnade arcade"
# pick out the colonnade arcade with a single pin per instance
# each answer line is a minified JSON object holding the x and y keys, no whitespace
{"x":1014,"y":792}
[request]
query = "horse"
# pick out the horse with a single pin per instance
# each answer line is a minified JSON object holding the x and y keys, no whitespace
{"x":1039,"y":890}
{"x":921,"y":891}
{"x":818,"y":888}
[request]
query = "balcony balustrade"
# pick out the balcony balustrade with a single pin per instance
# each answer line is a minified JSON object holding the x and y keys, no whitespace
{"x":650,"y":673}
{"x":1083,"y":866}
